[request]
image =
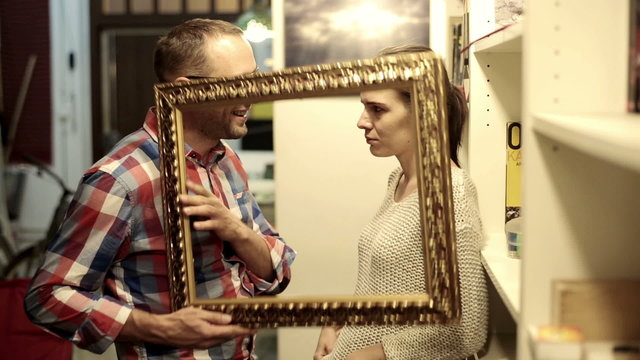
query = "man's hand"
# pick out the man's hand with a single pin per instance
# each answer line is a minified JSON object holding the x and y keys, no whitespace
{"x":214,"y":216}
{"x":186,"y":328}
{"x":326,"y":341}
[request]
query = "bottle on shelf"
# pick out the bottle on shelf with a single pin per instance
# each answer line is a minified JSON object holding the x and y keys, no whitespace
{"x":513,"y":228}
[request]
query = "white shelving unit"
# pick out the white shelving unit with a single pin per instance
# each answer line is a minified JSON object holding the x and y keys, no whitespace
{"x":582,"y":172}
{"x":508,"y":40}
{"x":562,"y":72}
{"x":504,"y":272}
{"x":614,"y":138}
{"x":495,"y":67}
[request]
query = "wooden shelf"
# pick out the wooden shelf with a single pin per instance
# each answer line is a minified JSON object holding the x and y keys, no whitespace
{"x":508,"y":40}
{"x":612,"y":138}
{"x":504,"y":272}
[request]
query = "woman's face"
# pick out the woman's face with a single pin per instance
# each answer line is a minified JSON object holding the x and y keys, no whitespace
{"x":387,"y":123}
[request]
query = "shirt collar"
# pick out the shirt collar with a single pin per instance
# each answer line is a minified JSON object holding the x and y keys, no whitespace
{"x":151,"y":123}
{"x":213,"y":156}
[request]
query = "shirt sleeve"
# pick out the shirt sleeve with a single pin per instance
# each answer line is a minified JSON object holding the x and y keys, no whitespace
{"x":65,"y":295}
{"x":282,"y":256}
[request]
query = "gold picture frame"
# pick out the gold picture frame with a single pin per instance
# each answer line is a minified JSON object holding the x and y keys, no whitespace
{"x":422,"y":74}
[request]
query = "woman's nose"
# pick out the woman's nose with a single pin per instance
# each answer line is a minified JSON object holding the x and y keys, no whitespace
{"x":364,"y":122}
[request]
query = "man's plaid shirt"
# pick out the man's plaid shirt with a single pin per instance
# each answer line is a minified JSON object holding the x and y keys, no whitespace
{"x":109,"y":255}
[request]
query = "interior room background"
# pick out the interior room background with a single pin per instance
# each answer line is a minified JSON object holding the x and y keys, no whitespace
{"x":92,"y":82}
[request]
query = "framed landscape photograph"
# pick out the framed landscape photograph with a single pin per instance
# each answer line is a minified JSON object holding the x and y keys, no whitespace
{"x":322,"y":31}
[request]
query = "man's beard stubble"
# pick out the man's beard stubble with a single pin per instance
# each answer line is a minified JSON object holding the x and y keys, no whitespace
{"x":219,"y":126}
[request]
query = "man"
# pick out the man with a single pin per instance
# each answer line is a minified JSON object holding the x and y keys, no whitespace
{"x":104,"y":278}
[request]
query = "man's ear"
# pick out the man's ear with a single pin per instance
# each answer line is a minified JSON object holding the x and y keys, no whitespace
{"x":181,"y":78}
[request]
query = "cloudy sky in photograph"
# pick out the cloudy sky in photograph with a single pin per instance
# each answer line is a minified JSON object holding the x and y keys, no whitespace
{"x":322,"y":31}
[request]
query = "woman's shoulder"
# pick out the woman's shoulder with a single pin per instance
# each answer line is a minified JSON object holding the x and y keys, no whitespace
{"x":465,"y":199}
{"x":462,"y":183}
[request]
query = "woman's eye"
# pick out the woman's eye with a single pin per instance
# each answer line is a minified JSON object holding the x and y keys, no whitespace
{"x":375,"y":109}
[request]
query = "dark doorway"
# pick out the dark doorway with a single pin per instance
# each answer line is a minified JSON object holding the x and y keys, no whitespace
{"x":128,"y":79}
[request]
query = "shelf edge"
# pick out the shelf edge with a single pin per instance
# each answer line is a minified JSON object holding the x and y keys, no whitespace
{"x":612,"y":138}
{"x":504,"y":272}
{"x":508,"y":40}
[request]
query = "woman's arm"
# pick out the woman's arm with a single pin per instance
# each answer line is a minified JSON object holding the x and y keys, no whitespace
{"x":326,"y":341}
{"x":373,"y":352}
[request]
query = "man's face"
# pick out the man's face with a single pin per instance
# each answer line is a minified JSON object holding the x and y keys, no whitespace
{"x":230,"y":55}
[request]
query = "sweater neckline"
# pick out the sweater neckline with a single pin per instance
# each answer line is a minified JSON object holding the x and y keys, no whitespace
{"x":395,"y":183}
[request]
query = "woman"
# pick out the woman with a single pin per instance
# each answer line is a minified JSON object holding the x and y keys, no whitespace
{"x":391,"y":243}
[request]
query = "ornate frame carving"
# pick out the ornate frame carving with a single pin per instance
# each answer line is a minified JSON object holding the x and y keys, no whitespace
{"x":422,"y":74}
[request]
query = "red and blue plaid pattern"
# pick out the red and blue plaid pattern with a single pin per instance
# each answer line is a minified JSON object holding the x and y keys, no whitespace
{"x":109,"y":255}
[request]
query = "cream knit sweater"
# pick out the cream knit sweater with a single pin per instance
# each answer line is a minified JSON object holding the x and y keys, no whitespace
{"x":390,"y":261}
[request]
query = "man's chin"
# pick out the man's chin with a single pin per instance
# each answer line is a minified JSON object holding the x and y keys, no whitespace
{"x":238,"y":133}
{"x":243,"y":130}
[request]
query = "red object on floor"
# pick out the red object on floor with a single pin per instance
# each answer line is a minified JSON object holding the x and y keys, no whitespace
{"x":19,"y":337}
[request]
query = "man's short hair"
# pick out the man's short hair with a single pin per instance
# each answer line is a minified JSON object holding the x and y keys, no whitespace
{"x":181,"y":52}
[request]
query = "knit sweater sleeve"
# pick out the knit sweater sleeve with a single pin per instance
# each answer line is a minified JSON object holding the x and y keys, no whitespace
{"x":467,"y":337}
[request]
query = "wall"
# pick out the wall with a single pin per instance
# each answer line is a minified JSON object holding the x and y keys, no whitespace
{"x":71,"y":89}
{"x":328,"y":186}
